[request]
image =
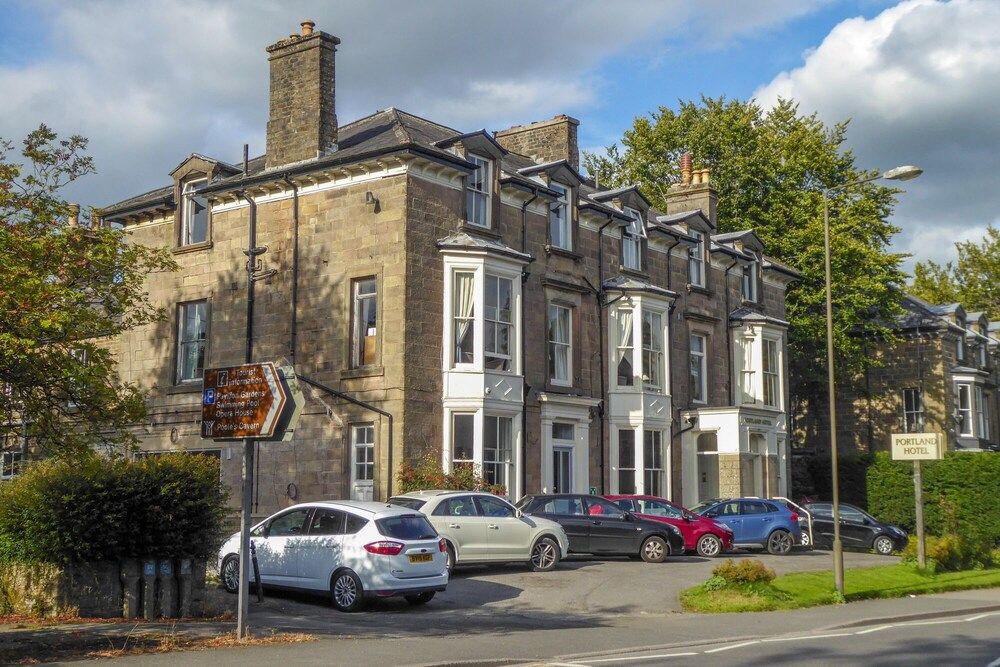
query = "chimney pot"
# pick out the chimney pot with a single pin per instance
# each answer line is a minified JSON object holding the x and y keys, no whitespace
{"x":74,"y":215}
{"x":686,"y":169}
{"x":307,"y":27}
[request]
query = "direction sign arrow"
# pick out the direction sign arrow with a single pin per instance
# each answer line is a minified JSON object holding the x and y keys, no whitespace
{"x":242,"y":402}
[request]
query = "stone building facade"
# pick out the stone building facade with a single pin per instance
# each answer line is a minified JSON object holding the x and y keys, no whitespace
{"x":939,"y":373}
{"x":505,"y":311}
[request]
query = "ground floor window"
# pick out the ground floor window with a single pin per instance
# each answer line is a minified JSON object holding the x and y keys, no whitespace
{"x":362,"y":461}
{"x":10,"y":463}
{"x":653,"y":463}
{"x":965,"y":408}
{"x":497,"y":448}
{"x":463,"y":437}
{"x":626,"y":460}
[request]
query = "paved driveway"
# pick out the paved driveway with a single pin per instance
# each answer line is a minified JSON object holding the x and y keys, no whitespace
{"x":582,"y":592}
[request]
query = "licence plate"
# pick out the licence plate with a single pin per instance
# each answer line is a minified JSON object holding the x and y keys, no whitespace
{"x":421,"y":558}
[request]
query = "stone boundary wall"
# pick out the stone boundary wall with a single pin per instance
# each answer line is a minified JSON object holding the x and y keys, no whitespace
{"x":150,"y":589}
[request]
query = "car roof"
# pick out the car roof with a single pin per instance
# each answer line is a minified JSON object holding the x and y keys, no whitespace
{"x":361,"y":506}
{"x":435,"y":493}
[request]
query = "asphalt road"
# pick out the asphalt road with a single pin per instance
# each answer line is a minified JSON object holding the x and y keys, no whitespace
{"x":964,"y":640}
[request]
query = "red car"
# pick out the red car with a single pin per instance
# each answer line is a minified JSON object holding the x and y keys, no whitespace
{"x":703,"y":535}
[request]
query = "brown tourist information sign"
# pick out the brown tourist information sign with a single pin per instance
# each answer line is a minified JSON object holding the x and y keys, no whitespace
{"x":242,"y":402}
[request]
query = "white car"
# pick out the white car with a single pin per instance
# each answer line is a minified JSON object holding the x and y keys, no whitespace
{"x":351,"y":550}
{"x":483,"y":528}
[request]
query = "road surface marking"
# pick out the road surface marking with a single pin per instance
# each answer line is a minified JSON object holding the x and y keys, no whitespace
{"x":644,"y":657}
{"x":875,"y":629}
{"x":798,"y":637}
{"x":995,"y":663}
{"x":949,"y":620}
{"x":979,"y":616}
{"x":726,"y":648}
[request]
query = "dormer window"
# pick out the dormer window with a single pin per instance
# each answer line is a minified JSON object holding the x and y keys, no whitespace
{"x":477,"y":191}
{"x":632,"y":241}
{"x":696,"y":259}
{"x":960,"y":344}
{"x":750,"y":281}
{"x":194,"y":213}
{"x":560,"y":231}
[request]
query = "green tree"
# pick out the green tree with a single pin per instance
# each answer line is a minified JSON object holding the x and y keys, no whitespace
{"x":770,"y":168}
{"x":65,"y":292}
{"x":972,"y":280}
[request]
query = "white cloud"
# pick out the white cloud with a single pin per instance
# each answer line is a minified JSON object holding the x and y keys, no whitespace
{"x":151,"y":82}
{"x":920,"y":83}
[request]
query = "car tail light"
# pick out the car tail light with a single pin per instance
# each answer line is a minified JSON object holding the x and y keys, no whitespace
{"x":384,"y":548}
{"x":795,"y":517}
{"x":442,"y":545}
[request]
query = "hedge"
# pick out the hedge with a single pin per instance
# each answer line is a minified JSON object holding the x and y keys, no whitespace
{"x":960,"y":493}
{"x":94,"y":508}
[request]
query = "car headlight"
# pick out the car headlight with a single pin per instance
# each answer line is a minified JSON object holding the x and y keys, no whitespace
{"x":726,"y":528}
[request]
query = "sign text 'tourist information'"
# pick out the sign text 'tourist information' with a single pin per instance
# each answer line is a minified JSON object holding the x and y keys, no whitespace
{"x":242,"y":402}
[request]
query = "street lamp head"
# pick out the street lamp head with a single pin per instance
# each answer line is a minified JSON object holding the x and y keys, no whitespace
{"x":903,"y":173}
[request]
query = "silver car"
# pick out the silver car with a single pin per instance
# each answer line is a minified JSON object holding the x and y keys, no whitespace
{"x":483,"y":528}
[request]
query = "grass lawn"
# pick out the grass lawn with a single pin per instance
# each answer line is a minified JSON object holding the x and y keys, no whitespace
{"x":809,"y":589}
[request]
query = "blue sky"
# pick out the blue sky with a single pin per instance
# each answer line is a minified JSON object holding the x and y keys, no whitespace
{"x":151,"y":82}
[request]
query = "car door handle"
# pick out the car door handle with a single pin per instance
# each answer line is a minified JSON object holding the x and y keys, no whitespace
{"x":766,"y":518}
{"x":289,"y":546}
{"x":493,"y":526}
{"x":454,"y":525}
{"x":596,"y":523}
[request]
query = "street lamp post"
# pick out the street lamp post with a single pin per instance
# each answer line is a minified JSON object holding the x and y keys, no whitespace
{"x":904,"y":173}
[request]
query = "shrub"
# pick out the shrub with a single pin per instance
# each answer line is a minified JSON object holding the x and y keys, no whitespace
{"x":852,"y":470}
{"x":951,"y":553}
{"x":746,"y":571}
{"x":94,"y":508}
{"x":428,"y":474}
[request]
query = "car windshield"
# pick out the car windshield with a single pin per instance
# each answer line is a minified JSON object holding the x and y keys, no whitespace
{"x":406,"y":527}
{"x":701,"y":507}
{"x":408,"y":503}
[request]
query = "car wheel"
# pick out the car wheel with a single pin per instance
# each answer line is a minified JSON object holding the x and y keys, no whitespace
{"x":230,"y":573}
{"x":449,"y":557}
{"x":779,"y":543}
{"x":709,"y":546}
{"x":419,"y":598}
{"x":654,"y":550}
{"x":883,"y":545}
{"x":804,"y":539}
{"x":346,"y":592}
{"x":544,"y":555}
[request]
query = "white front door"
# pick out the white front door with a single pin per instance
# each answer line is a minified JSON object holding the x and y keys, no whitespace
{"x":362,"y":461}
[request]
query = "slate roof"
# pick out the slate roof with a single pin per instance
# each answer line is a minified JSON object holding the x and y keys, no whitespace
{"x":630,"y":284}
{"x":744,"y":314}
{"x":918,"y":313}
{"x":466,"y":241}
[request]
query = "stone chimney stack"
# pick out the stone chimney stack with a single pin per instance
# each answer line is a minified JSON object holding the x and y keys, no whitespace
{"x":303,"y":120}
{"x":694,"y":191}
{"x":73,"y":215}
{"x":544,"y":141}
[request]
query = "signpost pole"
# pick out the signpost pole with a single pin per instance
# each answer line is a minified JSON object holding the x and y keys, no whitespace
{"x":244,"y":596}
{"x":918,"y":492}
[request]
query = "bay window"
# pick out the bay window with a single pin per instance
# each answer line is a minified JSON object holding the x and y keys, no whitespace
{"x":980,"y":412}
{"x":625,"y":348}
{"x":463,"y":317}
{"x":696,"y":259}
{"x":652,"y":350}
{"x":499,"y":323}
{"x":477,"y":191}
{"x":748,"y":379}
{"x":560,"y":230}
{"x":771,"y":364}
{"x":626,"y":461}
{"x":965,"y":409}
{"x":560,"y":344}
{"x":497,"y":448}
{"x":463,"y":438}
{"x":652,"y":462}
{"x":632,"y":241}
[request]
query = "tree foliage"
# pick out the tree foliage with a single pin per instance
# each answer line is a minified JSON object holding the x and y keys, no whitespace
{"x":973,"y":280}
{"x":770,"y":168}
{"x":65,"y":293}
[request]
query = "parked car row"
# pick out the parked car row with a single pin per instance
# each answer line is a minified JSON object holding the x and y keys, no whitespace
{"x":354,"y":551}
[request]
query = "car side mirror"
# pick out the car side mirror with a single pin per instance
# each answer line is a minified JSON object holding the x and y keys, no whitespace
{"x":518,"y":513}
{"x":626,"y":516}
{"x":867,"y":521}
{"x":688,"y":518}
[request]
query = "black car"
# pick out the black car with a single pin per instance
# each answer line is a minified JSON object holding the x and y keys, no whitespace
{"x":858,"y":529}
{"x":598,"y":526}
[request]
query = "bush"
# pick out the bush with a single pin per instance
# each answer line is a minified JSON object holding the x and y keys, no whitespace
{"x":93,"y":508}
{"x":951,"y":553}
{"x":428,"y":474}
{"x":852,"y":470}
{"x":746,"y":571}
{"x":959,"y":494}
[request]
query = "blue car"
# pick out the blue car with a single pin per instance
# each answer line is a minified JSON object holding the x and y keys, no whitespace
{"x":755,"y":522}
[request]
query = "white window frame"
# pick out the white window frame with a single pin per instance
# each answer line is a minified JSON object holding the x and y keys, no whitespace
{"x":636,"y":459}
{"x":363,"y":441}
{"x":187,"y":212}
{"x":182,"y":344}
{"x":748,"y":282}
{"x":660,"y":354}
{"x":913,"y":409}
{"x":560,"y":218}
{"x":647,"y":469}
{"x":773,"y":375}
{"x":451,"y":440}
{"x":9,"y":461}
{"x":696,"y":259}
{"x":497,"y":463}
{"x":979,"y":406}
{"x":554,"y":345}
{"x":622,"y":350}
{"x":967,"y":427}
{"x":357,"y":300}
{"x":960,"y":345}
{"x":498,"y":323}
{"x":702,"y":357}
{"x":982,"y":354}
{"x":632,"y":235}
{"x":485,"y":191}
